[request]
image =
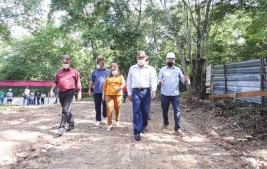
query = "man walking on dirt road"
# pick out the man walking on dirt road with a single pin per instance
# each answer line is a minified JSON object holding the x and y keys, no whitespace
{"x":141,"y":79}
{"x":97,"y":79}
{"x":168,"y":79}
{"x":67,"y":79}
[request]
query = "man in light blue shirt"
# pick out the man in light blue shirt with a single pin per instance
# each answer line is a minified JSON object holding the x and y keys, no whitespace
{"x":168,"y":79}
{"x":141,"y":80}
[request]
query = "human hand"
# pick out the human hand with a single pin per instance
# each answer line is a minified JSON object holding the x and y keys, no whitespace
{"x":119,"y":88}
{"x":51,"y":93}
{"x":187,"y":79}
{"x":153,"y":95}
{"x":79,"y":96}
{"x":130,"y":97}
{"x":89,"y":93}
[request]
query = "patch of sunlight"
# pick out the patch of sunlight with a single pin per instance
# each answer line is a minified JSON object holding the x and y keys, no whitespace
{"x":38,"y":121}
{"x":44,"y":127}
{"x":19,"y":135}
{"x":262,"y":153}
{"x":14,"y":122}
{"x":84,"y":121}
{"x":96,"y":139}
{"x":194,"y":139}
{"x":161,"y":138}
{"x":219,"y":154}
{"x":6,"y":154}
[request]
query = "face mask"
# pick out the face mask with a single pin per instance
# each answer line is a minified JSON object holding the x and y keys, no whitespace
{"x":98,"y":66}
{"x":65,"y":66}
{"x":141,"y":62}
{"x":114,"y":72}
{"x":170,"y":64}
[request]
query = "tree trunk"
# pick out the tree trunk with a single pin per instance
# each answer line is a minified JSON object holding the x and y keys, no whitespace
{"x":199,"y":77}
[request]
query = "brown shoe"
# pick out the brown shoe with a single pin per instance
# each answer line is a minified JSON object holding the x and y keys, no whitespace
{"x":164,"y":127}
{"x":180,"y":132}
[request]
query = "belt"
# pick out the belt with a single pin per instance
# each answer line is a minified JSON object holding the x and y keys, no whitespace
{"x":141,"y":88}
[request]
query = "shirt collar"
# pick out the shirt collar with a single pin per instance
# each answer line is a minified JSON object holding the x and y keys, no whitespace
{"x":66,"y":70}
{"x":173,"y":67}
{"x":145,"y":66}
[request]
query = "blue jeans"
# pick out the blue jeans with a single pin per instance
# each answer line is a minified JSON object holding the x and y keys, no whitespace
{"x":141,"y":101}
{"x":98,"y":101}
{"x":165,"y":102}
{"x":25,"y":99}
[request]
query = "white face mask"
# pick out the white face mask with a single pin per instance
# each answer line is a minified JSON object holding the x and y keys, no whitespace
{"x":98,"y":66}
{"x":114,"y":72}
{"x":141,"y":62}
{"x":65,"y":66}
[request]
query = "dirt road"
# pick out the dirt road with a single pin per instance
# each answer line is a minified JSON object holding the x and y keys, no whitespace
{"x":28,"y":139}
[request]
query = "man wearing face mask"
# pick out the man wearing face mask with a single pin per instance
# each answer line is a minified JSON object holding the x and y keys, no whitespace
{"x":168,"y":79}
{"x":141,"y":80}
{"x":67,"y":80}
{"x":97,"y":79}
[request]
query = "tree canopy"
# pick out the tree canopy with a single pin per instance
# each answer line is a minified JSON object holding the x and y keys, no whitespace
{"x":216,"y":31}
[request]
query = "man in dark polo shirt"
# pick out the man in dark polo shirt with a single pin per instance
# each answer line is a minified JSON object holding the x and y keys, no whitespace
{"x":67,"y":80}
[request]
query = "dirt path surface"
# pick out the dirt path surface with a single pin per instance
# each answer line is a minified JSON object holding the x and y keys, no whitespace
{"x":28,"y":139}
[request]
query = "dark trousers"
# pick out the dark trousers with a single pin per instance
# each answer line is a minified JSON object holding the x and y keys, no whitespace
{"x":42,"y":101}
{"x":65,"y":99}
{"x":38,"y":101}
{"x":124,"y":96}
{"x":98,"y":102}
{"x":165,"y":102}
{"x":141,"y":101}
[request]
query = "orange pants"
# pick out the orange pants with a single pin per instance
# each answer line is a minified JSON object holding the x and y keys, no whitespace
{"x":113,"y":101}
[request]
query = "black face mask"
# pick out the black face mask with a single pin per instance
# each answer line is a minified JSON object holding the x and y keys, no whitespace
{"x":170,"y":64}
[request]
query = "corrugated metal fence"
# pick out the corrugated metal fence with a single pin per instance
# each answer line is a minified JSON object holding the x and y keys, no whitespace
{"x":238,"y":77}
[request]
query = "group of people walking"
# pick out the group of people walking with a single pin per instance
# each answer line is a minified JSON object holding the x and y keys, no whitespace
{"x":109,"y":90}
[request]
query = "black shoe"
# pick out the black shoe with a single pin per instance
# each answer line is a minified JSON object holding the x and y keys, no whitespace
{"x":137,"y":137}
{"x":70,"y":128}
{"x":144,"y":130}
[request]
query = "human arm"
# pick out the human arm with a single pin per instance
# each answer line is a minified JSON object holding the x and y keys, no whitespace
{"x":129,"y":83}
{"x":122,"y":84}
{"x":51,"y":93}
{"x":153,"y":82}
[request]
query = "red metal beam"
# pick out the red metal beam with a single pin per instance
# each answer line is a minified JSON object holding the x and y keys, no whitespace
{"x":26,"y":83}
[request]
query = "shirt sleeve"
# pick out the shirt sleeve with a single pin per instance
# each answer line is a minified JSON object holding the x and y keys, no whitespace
{"x":181,"y":76}
{"x":129,"y":82}
{"x":160,"y":77}
{"x":56,"y":79}
{"x":105,"y":85}
{"x":153,"y":79}
{"x":93,"y":76}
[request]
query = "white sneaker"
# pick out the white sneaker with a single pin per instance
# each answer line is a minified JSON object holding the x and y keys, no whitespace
{"x":97,"y":123}
{"x":117,"y":124}
{"x":104,"y":120}
{"x":109,"y":127}
{"x":60,"y":131}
